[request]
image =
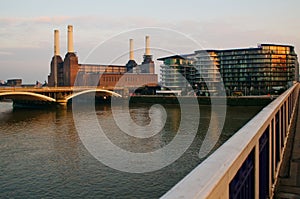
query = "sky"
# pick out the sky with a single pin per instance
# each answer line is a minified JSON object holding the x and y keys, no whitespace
{"x":102,"y":29}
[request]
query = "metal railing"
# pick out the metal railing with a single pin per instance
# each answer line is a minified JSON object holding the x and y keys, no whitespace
{"x":248,"y":164}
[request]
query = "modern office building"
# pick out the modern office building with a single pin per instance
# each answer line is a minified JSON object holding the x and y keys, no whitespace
{"x":68,"y":72}
{"x":267,"y":69}
{"x":207,"y":78}
{"x":263,"y":70}
{"x":178,"y":71}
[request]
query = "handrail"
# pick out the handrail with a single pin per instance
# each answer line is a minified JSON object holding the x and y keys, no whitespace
{"x":218,"y":175}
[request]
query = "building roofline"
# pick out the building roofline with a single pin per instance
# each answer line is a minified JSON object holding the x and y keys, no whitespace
{"x":207,"y":50}
{"x":282,"y":45}
{"x":183,"y":56}
{"x":259,"y":46}
{"x":249,"y":48}
{"x":101,"y":65}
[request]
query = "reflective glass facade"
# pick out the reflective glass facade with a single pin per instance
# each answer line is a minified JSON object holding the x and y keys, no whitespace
{"x":177,"y":72}
{"x":207,"y":78}
{"x":267,"y":69}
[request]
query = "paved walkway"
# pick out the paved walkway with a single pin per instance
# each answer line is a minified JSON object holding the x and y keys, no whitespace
{"x":289,"y":178}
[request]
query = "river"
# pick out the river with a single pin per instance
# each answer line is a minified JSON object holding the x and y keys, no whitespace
{"x":43,"y":156}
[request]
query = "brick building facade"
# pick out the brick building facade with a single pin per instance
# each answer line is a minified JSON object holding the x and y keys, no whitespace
{"x":68,"y":72}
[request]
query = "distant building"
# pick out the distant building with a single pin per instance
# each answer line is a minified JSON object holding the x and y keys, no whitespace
{"x":267,"y":69}
{"x":208,"y":77}
{"x":260,"y":70}
{"x":64,"y":72}
{"x":177,"y":71}
{"x":14,"y":82}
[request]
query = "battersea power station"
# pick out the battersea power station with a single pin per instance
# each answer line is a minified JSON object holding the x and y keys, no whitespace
{"x":68,"y":72}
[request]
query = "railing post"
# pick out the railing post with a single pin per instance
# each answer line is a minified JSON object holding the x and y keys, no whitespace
{"x":279,"y":133}
{"x":256,"y":171}
{"x":286,"y":119}
{"x":270,"y":159}
{"x":273,"y":149}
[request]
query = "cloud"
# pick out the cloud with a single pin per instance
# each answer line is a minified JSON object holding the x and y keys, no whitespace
{"x":5,"y":53}
{"x":41,"y":19}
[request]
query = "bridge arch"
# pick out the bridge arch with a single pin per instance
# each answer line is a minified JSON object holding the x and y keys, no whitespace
{"x":28,"y":95}
{"x":90,"y":91}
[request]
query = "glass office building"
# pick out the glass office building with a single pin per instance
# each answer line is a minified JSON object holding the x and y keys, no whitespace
{"x":266,"y":69}
{"x":178,"y":72}
{"x":207,"y":78}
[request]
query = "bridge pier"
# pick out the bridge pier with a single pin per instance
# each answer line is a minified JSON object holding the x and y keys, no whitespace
{"x":62,"y":104}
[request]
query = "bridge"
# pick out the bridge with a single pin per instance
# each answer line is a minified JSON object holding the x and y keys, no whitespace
{"x":261,"y":160}
{"x":58,"y":96}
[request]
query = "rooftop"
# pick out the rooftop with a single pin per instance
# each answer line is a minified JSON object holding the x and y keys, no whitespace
{"x":183,"y":56}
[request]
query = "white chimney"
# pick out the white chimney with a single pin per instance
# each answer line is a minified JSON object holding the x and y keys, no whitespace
{"x":70,"y":39}
{"x":147,"y":52}
{"x":131,"y":53}
{"x":56,"y":43}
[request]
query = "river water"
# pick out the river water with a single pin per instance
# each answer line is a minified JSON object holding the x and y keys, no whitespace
{"x":42,"y":155}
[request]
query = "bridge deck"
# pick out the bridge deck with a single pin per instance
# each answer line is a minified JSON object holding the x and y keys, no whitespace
{"x":289,"y":179}
{"x":53,"y":89}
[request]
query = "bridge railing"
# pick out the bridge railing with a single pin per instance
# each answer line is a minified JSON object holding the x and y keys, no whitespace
{"x":248,"y":164}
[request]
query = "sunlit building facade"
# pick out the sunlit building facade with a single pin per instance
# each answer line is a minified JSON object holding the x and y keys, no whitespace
{"x":207,"y":78}
{"x":178,"y":71}
{"x":266,"y":69}
{"x":69,"y":72}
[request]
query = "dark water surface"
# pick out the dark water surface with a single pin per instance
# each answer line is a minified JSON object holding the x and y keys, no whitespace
{"x":42,"y":156}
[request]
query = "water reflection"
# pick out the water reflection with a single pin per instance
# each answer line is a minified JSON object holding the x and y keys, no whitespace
{"x":42,"y":155}
{"x":140,"y":115}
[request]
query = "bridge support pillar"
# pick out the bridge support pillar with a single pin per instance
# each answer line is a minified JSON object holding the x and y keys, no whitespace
{"x":62,"y":104}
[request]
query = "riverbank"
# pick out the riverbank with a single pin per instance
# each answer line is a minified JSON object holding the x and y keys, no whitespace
{"x":154,"y":99}
{"x":230,"y":101}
